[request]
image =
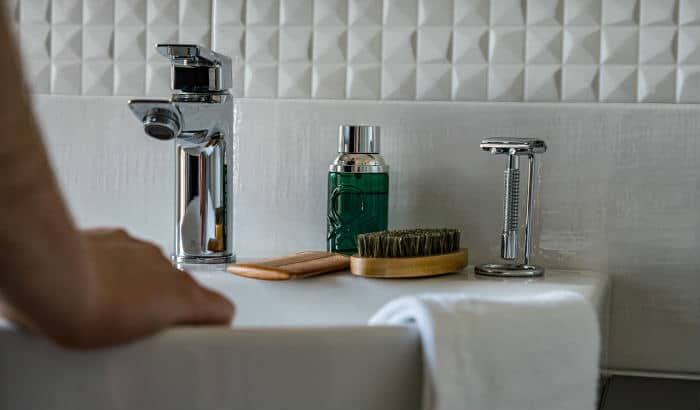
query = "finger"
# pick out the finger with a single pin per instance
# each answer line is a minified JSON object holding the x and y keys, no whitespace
{"x":208,"y":308}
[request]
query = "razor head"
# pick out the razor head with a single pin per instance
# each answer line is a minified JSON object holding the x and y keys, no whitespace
{"x":514,"y":146}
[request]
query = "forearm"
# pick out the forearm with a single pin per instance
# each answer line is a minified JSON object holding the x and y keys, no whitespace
{"x":41,"y":254}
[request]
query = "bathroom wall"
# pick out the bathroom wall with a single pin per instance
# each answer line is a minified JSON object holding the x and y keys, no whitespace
{"x":619,"y":186}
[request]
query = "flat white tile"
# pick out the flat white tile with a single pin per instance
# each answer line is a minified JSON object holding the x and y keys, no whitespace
{"x":261,"y":80}
{"x":582,"y":12}
{"x":295,"y":44}
{"x":400,"y":12}
{"x":66,"y":77}
{"x":398,"y":82}
{"x":261,"y":44}
{"x":162,"y":12}
{"x":618,"y":84}
{"x":581,"y":45}
{"x":689,"y":45}
{"x":330,"y":45}
{"x":621,"y":12}
{"x":364,"y":81}
{"x":506,"y":83}
{"x":658,"y":45}
{"x":619,"y":45}
{"x":658,"y":12}
{"x":399,"y":45}
{"x":435,"y":12}
{"x":263,"y":12}
{"x":507,"y":12}
{"x":507,"y":46}
{"x":434,"y":45}
{"x":98,"y":78}
{"x":469,"y":82}
{"x":544,"y":45}
{"x":229,"y":12}
{"x":470,"y":45}
{"x":543,"y":83}
{"x":129,"y":78}
{"x":580,"y":83}
{"x":294,"y":81}
{"x":545,"y":12}
{"x":66,"y":11}
{"x":472,"y":12}
{"x":365,"y":12}
{"x":365,"y":45}
{"x":688,"y":84}
{"x":98,"y":12}
{"x":657,"y":84}
{"x":66,"y":42}
{"x":330,"y":12}
{"x":296,"y":12}
{"x":328,"y":81}
{"x":98,"y":43}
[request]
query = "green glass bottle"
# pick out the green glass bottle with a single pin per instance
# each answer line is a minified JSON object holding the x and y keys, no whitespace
{"x":358,"y":189}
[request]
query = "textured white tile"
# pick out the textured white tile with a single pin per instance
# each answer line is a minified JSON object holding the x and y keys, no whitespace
{"x":507,"y":45}
{"x":399,"y":45}
{"x":35,"y":11}
{"x":434,"y":82}
{"x":400,"y":12}
{"x":507,"y":12}
{"x":195,"y":35}
{"x":66,"y":42}
{"x":689,"y":45}
{"x":129,"y":78}
{"x":229,"y":12}
{"x":543,"y":83}
{"x":130,"y":12}
{"x":659,"y":45}
{"x":469,"y":82}
{"x":261,"y":80}
{"x":619,"y":45}
{"x":330,"y":12}
{"x":581,"y":45}
{"x":470,"y":45}
{"x":35,"y":41}
{"x":621,"y":12}
{"x":505,"y":83}
{"x":294,"y":81}
{"x":688,"y":84}
{"x":545,"y":12}
{"x":98,"y":12}
{"x":158,"y":78}
{"x":159,"y":34}
{"x":657,"y":84}
{"x":472,"y":12}
{"x":544,"y":45}
{"x":230,"y":41}
{"x":195,"y":12}
{"x":398,"y":82}
{"x":263,"y":12}
{"x":364,"y":45}
{"x":66,"y":77}
{"x":364,"y":82}
{"x":580,"y":83}
{"x":162,"y":12}
{"x":582,"y":12}
{"x":435,"y":12}
{"x":130,"y":44}
{"x":66,"y":11}
{"x":434,"y":44}
{"x":98,"y":78}
{"x":658,"y":12}
{"x":365,"y":12}
{"x":330,"y":45}
{"x":261,"y":44}
{"x":328,"y":81}
{"x":618,"y":84}
{"x":689,"y":12}
{"x":37,"y":75}
{"x":98,"y":43}
{"x":296,"y":12}
{"x":295,"y":44}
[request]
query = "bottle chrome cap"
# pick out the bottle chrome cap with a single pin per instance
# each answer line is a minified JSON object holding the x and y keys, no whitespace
{"x":358,"y":139}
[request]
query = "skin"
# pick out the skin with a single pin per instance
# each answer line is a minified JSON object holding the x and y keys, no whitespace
{"x":80,"y":289}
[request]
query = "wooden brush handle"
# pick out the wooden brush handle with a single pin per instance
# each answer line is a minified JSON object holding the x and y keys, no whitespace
{"x":296,"y":266}
{"x":409,"y":267}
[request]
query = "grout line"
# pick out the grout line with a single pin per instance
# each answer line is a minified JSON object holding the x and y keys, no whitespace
{"x":347,"y":49}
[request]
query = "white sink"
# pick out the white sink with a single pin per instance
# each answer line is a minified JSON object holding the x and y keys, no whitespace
{"x":297,"y":345}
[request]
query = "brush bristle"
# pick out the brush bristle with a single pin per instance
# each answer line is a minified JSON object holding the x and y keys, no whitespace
{"x":407,"y":243}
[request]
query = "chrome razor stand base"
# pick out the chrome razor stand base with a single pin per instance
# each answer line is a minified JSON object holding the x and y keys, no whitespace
{"x":509,"y":270}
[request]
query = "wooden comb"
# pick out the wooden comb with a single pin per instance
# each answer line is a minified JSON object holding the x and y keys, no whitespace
{"x":297,"y":266}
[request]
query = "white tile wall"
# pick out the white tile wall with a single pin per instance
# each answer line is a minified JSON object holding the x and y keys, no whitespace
{"x":480,"y":50}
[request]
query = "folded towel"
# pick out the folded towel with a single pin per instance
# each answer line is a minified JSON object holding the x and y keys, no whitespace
{"x":522,"y":348}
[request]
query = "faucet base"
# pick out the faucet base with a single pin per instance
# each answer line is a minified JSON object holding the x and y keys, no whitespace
{"x":509,"y":270}
{"x":208,"y":260}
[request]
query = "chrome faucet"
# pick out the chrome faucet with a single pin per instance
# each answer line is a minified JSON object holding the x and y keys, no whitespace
{"x":199,"y":117}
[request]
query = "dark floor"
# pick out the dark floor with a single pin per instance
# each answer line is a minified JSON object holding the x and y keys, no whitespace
{"x":645,"y":393}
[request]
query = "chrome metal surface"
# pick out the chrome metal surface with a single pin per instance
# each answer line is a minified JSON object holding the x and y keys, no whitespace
{"x":196,"y":68}
{"x":202,"y":125}
{"x":359,"y":163}
{"x":514,"y":148}
{"x":359,"y":139}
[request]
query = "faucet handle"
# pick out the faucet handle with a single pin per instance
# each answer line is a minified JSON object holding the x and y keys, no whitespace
{"x":514,"y":146}
{"x":197,"y":68}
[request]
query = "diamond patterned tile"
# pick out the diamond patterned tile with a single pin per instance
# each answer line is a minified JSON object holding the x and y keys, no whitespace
{"x":398,"y":82}
{"x":195,"y":35}
{"x":505,"y":83}
{"x":158,"y":78}
{"x":507,"y":45}
{"x":469,"y":82}
{"x":582,"y":12}
{"x":659,"y":45}
{"x":507,"y":12}
{"x":129,"y":78}
{"x":543,"y":83}
{"x":400,"y":12}
{"x":657,"y":84}
{"x":195,"y":12}
{"x":689,"y":12}
{"x":261,"y":80}
{"x":434,"y":45}
{"x":328,"y":81}
{"x":434,"y":82}
{"x":36,"y":11}
{"x":98,"y":43}
{"x":471,"y":45}
{"x":472,"y":12}
{"x":159,"y":34}
{"x":67,"y":11}
{"x":399,"y":45}
{"x":330,"y":45}
{"x":296,"y":12}
{"x":229,"y":12}
{"x":581,"y":45}
{"x":98,"y":78}
{"x":294,"y":81}
{"x":658,"y":12}
{"x":620,"y":45}
{"x":621,"y":12}
{"x":580,"y":83}
{"x":688,"y":87}
{"x":261,"y":45}
{"x":618,"y":84}
{"x":35,"y":41}
{"x":162,"y":12}
{"x":364,"y":82}
{"x":130,"y":12}
{"x":263,"y":12}
{"x":67,"y":42}
{"x":365,"y":45}
{"x":689,"y":45}
{"x":130,"y":44}
{"x":295,"y":44}
{"x":230,"y":41}
{"x":66,"y":77}
{"x":544,"y":45}
{"x":364,"y":12}
{"x":38,"y":74}
{"x":98,"y":12}
{"x":330,"y":12}
{"x":435,"y":12}
{"x":545,"y":12}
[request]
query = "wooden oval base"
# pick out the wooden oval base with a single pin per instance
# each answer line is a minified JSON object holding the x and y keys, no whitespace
{"x":409,"y":267}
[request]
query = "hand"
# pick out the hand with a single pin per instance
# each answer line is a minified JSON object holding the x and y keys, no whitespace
{"x":134,"y":292}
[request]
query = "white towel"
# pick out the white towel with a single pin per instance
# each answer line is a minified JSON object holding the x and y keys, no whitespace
{"x":523,"y":347}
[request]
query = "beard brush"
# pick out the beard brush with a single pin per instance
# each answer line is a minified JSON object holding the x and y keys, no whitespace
{"x":408,"y":253}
